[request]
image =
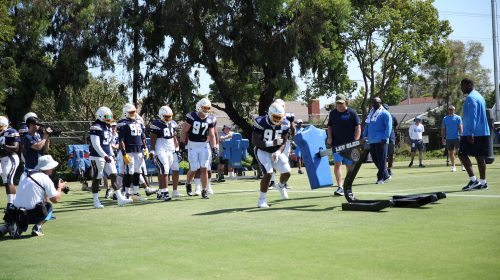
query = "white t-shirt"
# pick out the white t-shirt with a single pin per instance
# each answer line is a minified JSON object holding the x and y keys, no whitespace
{"x":222,"y":134}
{"x":29,"y":193}
{"x":416,"y":131}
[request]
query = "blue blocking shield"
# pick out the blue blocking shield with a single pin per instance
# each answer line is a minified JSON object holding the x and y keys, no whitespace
{"x":311,"y":141}
{"x":235,"y":150}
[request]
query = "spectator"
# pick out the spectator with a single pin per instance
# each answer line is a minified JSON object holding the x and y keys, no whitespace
{"x":476,"y":133}
{"x":33,"y":190}
{"x":392,"y":142}
{"x":344,"y":126}
{"x":378,"y":130}
{"x":417,"y":143}
{"x":451,"y":131}
{"x":225,"y":135}
{"x":298,"y":129}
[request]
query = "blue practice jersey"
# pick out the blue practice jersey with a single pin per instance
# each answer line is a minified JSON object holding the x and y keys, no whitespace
{"x":474,"y":116}
{"x":270,"y":132}
{"x":105,"y":135}
{"x":166,"y":130}
{"x":8,"y":137}
{"x":343,"y":125}
{"x":31,"y":155}
{"x":131,"y":132}
{"x":199,"y":127}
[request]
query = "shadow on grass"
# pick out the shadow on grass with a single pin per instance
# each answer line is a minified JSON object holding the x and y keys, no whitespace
{"x":255,"y":209}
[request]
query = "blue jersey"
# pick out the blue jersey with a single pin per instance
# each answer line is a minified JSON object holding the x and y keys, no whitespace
{"x":31,"y":155}
{"x":474,"y":116}
{"x":163,"y":129}
{"x":199,"y":127}
{"x":105,"y":135}
{"x":270,"y":132}
{"x":23,"y":129}
{"x":8,"y":137}
{"x":131,"y":132}
{"x":451,"y":124}
{"x":343,"y":126}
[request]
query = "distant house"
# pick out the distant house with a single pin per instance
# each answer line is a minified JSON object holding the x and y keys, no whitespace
{"x":406,"y":111}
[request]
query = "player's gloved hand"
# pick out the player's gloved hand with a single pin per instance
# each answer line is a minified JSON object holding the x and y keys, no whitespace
{"x":215,"y":152}
{"x":146,"y":154}
{"x":278,"y":141}
{"x":276,"y":155}
{"x":152,"y":154}
{"x":107,"y":159}
{"x":126,"y":159}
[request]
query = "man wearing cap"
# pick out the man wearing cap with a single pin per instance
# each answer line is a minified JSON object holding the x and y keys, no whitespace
{"x":344,"y":126}
{"x":378,"y":131}
{"x":225,"y":135}
{"x":33,"y":190}
{"x":34,"y":144}
{"x":417,"y":143}
{"x":451,"y":131}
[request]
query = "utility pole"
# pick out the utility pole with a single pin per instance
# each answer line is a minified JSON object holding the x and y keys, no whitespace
{"x":136,"y":54}
{"x":495,"y":57}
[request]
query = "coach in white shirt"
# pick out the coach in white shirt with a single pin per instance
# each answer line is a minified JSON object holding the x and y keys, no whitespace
{"x":417,"y":143}
{"x":33,"y":189}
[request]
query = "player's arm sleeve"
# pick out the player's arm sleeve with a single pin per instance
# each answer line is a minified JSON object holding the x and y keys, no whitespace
{"x":96,"y":144}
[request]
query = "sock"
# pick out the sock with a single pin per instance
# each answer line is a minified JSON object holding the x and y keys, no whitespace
{"x":273,"y":177}
{"x":197,"y":182}
{"x":473,"y":178}
{"x":136,"y":189}
{"x":262,"y":195}
{"x":96,"y":198}
{"x":10,"y":198}
{"x":482,"y":181}
{"x":164,"y":190}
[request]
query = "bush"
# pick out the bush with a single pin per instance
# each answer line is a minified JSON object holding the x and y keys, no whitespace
{"x":184,"y":165}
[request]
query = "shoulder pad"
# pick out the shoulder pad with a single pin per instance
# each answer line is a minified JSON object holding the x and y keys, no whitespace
{"x":96,"y":127}
{"x":154,"y":126}
{"x":190,"y":115}
{"x":256,"y":122}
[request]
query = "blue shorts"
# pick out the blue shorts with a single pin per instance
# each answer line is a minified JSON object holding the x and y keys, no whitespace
{"x":298,"y":153}
{"x":338,"y":158}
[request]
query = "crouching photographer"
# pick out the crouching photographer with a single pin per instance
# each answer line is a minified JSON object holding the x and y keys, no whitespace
{"x":30,"y":205}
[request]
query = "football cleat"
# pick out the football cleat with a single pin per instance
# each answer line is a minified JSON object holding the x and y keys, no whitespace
{"x":37,"y":230}
{"x":262,"y":203}
{"x":150,"y":191}
{"x":282,"y":189}
{"x":204,"y":194}
{"x":166,"y":196}
{"x":189,"y":190}
{"x":472,"y":185}
{"x":176,"y":194}
{"x":124,"y":201}
{"x":98,"y":206}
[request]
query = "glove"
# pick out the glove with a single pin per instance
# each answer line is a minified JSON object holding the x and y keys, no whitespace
{"x":179,"y":155}
{"x":152,"y":154}
{"x":276,"y":155}
{"x":126,"y":159}
{"x":146,"y":154}
{"x":215,"y":152}
{"x":278,"y":141}
{"x":107,"y":159}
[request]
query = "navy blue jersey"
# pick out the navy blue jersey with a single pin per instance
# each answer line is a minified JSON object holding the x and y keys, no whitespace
{"x":105,"y":135}
{"x":270,"y":132}
{"x":199,"y":127}
{"x":343,"y":125}
{"x":31,"y":155}
{"x":23,"y":129}
{"x":8,"y":137}
{"x":163,"y":129}
{"x":131,"y":132}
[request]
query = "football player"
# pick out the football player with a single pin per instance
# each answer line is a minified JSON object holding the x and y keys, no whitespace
{"x":198,"y":128}
{"x":163,"y":146}
{"x":9,"y":160}
{"x":132,"y":145}
{"x":101,"y":155}
{"x":270,"y":133}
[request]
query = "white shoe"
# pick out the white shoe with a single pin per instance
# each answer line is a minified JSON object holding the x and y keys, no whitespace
{"x":209,"y":190}
{"x":137,"y":197}
{"x":124,"y":201}
{"x":197,"y":191}
{"x":262,"y":203}
{"x":98,"y":206}
{"x":282,"y":189}
{"x":453,"y":169}
{"x":176,"y":194}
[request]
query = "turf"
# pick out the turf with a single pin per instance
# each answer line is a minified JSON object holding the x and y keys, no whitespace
{"x":305,"y":237}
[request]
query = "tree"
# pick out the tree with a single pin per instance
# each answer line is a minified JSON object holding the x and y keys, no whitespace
{"x":388,"y":39}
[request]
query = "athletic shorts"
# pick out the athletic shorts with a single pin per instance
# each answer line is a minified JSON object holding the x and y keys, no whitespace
{"x":267,"y":164}
{"x":199,"y":155}
{"x":390,"y":148}
{"x":452,"y":144}
{"x":338,"y":158}
{"x":480,"y":147}
{"x":417,"y":145}
{"x":164,"y":161}
{"x":9,"y":166}
{"x":135,"y":163}
{"x":99,"y":166}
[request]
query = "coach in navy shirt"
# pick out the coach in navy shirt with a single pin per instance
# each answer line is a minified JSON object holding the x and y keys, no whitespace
{"x":344,"y":126}
{"x":34,"y":144}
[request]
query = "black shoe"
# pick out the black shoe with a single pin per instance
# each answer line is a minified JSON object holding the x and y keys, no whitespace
{"x":485,"y":186}
{"x":300,"y":171}
{"x":150,"y":191}
{"x":421,"y":165}
{"x":159,"y":195}
{"x":389,"y":171}
{"x":37,"y":230}
{"x":114,"y":196}
{"x":411,"y":164}
{"x":9,"y":205}
{"x":221,"y":179}
{"x":472,"y":185}
{"x":107,"y":193}
{"x":189,"y":190}
{"x":204,"y":194}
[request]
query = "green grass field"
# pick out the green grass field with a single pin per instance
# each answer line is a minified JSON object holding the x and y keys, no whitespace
{"x":305,"y":237}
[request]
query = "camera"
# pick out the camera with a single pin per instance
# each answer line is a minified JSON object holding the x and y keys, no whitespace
{"x":66,"y":189}
{"x":49,"y":130}
{"x":56,"y":181}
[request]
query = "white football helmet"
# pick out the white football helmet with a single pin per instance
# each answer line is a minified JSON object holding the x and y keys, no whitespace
{"x":129,"y":111}
{"x":276,"y":113}
{"x":204,"y":106}
{"x":4,"y":123}
{"x":29,"y":115}
{"x":165,"y":113}
{"x":104,"y":114}
{"x":280,"y":101}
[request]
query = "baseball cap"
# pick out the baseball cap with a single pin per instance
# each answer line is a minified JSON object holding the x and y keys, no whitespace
{"x":340,"y":98}
{"x":226,"y":126}
{"x":33,"y":120}
{"x":451,"y":107}
{"x":377,"y":99}
{"x":299,"y":121}
{"x":418,"y":119}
